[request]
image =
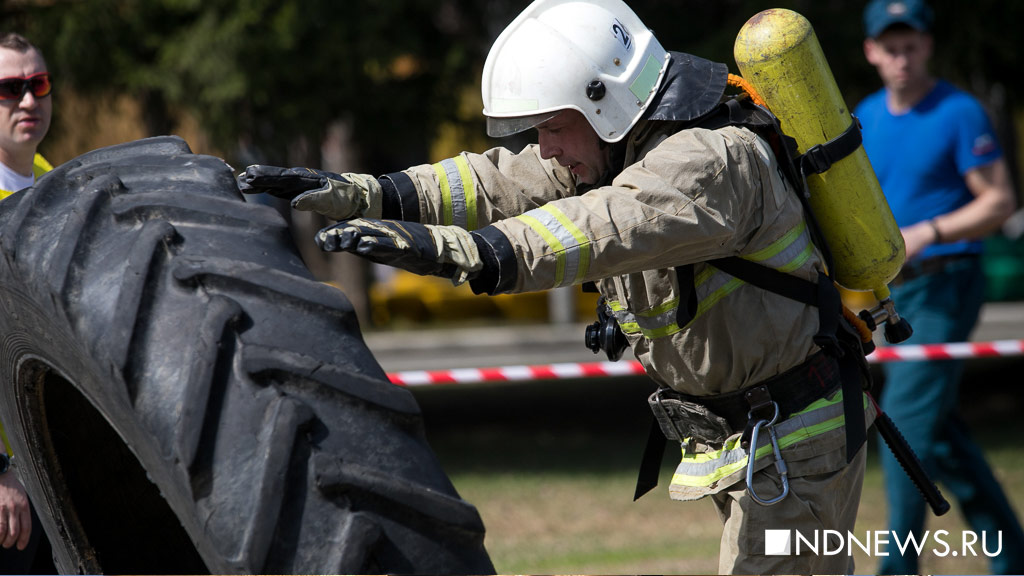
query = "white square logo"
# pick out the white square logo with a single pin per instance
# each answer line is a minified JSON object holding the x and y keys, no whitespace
{"x":777,"y":543}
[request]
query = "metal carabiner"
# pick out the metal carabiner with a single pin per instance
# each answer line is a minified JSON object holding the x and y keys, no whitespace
{"x":780,"y":464}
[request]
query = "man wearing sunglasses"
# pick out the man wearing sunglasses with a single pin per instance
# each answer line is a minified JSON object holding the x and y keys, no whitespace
{"x":25,"y":110}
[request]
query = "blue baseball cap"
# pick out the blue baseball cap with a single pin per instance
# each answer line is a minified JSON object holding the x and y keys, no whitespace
{"x":881,"y":14}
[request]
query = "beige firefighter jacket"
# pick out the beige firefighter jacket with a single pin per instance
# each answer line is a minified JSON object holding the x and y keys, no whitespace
{"x":683,"y":198}
{"x":693,"y":196}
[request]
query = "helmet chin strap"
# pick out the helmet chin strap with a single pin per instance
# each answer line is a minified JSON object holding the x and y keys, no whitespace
{"x":616,"y":157}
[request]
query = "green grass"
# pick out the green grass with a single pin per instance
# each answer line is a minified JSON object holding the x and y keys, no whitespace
{"x":552,"y":470}
{"x":559,"y":523}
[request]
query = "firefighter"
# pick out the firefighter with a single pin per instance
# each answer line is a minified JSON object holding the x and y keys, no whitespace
{"x":643,"y":175}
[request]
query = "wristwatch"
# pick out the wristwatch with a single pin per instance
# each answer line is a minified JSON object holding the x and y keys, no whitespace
{"x":5,"y":463}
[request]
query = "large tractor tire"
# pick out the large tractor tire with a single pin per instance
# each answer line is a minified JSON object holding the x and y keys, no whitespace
{"x":183,"y":397}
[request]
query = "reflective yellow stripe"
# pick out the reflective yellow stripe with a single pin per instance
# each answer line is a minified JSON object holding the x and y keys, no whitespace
{"x":582,"y":247}
{"x":667,"y":330}
{"x":788,"y":440}
{"x":779,"y":245}
{"x":458,"y":192}
{"x":630,"y":328}
{"x":446,"y":194}
{"x":704,"y":276}
{"x":567,"y":242}
{"x":713,"y":298}
{"x":552,"y":243}
{"x":799,"y":261}
{"x":666,"y":307}
{"x":720,"y":472}
{"x":733,"y":458}
{"x":790,"y":252}
{"x":469,"y":189}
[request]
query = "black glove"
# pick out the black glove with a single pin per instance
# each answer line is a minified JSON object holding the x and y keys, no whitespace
{"x":281,"y":182}
{"x":337,"y":196}
{"x":446,"y":251}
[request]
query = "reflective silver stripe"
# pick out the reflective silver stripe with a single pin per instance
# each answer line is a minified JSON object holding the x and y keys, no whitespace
{"x":709,"y":281}
{"x":625,"y":318}
{"x":656,"y":320}
{"x":788,"y":253}
{"x":568,"y":243}
{"x":456,"y":192}
{"x":705,"y":469}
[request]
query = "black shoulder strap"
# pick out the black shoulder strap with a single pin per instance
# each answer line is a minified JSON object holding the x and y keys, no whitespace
{"x":794,"y":166}
{"x":822,"y":294}
{"x":770,"y":279}
{"x":834,"y":335}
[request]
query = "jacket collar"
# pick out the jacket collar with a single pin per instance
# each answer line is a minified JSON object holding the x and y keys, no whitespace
{"x":693,"y":87}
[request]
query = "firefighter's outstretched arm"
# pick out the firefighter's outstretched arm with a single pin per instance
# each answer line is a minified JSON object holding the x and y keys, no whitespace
{"x":337,"y":196}
{"x":446,"y":251}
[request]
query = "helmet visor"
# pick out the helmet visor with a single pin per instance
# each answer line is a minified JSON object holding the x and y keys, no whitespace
{"x":501,"y":127}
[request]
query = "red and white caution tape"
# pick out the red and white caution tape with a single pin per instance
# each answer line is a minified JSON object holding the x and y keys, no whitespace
{"x":514,"y":373}
{"x":564,"y":371}
{"x":947,"y":351}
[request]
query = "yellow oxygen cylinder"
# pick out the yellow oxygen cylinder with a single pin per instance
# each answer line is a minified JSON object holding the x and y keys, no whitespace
{"x":778,"y":53}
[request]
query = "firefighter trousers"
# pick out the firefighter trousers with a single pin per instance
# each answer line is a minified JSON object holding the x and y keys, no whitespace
{"x":816,"y":502}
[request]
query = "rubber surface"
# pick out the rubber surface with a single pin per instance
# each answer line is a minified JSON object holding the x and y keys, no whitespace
{"x":182,"y":395}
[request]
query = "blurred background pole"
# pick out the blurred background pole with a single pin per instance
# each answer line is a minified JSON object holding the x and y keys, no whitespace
{"x":562,"y":305}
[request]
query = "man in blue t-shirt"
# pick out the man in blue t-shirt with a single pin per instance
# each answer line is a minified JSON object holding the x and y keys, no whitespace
{"x":943,"y":174}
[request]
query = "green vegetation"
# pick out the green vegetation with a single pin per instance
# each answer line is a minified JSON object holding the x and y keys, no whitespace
{"x":564,"y":520}
{"x":267,"y":79}
{"x":552,"y":466}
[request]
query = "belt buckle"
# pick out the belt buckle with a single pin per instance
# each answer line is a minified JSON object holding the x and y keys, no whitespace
{"x":760,"y":402}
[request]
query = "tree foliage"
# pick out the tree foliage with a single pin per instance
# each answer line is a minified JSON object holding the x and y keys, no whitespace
{"x":267,"y":77}
{"x":264,"y":75}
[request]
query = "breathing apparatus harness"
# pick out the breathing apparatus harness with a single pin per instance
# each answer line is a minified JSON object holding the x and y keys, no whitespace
{"x":842,"y":336}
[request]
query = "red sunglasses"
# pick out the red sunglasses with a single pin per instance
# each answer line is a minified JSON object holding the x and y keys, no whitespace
{"x":15,"y":88}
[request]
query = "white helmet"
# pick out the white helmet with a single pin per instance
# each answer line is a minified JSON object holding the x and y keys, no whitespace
{"x":595,"y":56}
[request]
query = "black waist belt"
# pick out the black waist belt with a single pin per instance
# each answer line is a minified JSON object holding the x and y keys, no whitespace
{"x":792,"y":391}
{"x":928,"y":266}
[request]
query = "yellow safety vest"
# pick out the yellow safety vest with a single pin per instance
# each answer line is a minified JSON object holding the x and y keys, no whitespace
{"x":40,"y":166}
